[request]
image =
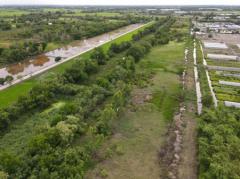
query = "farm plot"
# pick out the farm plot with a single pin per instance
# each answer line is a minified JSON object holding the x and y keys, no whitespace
{"x":226,"y":86}
{"x":227,"y":44}
{"x":222,"y":57}
{"x":224,"y":63}
{"x":215,"y":45}
{"x":224,"y":69}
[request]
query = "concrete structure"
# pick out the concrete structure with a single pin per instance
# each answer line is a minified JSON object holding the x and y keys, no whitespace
{"x":221,"y":68}
{"x":232,"y":104}
{"x":232,"y":75}
{"x":222,"y":57}
{"x":215,"y":45}
{"x":219,"y":27}
{"x":197,"y":83}
{"x":229,"y":83}
{"x":215,"y":101}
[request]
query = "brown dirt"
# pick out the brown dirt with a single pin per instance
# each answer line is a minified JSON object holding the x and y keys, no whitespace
{"x":178,"y":157}
{"x":40,"y":60}
{"x":188,"y":164}
{"x":140,"y":96}
{"x":230,"y":39}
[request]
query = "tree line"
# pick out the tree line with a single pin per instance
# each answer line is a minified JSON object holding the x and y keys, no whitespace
{"x":37,"y":30}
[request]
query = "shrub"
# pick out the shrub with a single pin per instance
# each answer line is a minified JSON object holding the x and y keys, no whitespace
{"x":99,"y":55}
{"x":8,"y":79}
{"x":136,"y":51}
{"x":2,"y":81}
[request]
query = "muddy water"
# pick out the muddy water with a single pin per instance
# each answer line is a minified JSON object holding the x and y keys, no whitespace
{"x":30,"y":66}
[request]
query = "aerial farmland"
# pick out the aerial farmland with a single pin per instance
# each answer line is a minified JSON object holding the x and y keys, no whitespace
{"x":119,"y":92}
{"x":221,"y":53}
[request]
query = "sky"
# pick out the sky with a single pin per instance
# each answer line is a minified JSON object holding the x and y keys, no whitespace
{"x":119,"y":2}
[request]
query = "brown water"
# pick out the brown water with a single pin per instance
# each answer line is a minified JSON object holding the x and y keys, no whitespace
{"x":29,"y":66}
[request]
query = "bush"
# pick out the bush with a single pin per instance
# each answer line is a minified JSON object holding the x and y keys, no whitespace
{"x":2,"y":81}
{"x":8,"y":79}
{"x":99,"y":55}
{"x":76,"y":73}
{"x":219,"y":143}
{"x":136,"y":51}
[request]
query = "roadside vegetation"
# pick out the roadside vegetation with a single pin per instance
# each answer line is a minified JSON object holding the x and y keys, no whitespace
{"x":11,"y":94}
{"x":39,"y":31}
{"x":72,"y":111}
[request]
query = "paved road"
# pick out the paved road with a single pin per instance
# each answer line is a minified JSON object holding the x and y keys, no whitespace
{"x":86,"y":49}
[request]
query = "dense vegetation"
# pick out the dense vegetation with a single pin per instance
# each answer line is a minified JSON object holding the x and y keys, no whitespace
{"x":32,"y":34}
{"x":98,"y":88}
{"x":219,"y":141}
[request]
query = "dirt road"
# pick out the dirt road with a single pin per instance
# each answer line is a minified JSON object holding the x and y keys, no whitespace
{"x":178,"y":157}
{"x":188,"y":164}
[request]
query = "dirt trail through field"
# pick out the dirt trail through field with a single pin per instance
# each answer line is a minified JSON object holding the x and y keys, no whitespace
{"x":188,"y":164}
{"x":178,"y":158}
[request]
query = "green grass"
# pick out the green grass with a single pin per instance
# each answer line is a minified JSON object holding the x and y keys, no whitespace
{"x":106,"y":14}
{"x":12,"y":12}
{"x":52,"y":46}
{"x":132,"y":150}
{"x":223,"y":63}
{"x":10,"y":95}
{"x":54,"y":106}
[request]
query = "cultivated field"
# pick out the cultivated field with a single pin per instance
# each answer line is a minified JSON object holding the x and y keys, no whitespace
{"x":222,"y":63}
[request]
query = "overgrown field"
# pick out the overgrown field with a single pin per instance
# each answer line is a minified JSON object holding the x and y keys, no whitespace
{"x":139,"y":133}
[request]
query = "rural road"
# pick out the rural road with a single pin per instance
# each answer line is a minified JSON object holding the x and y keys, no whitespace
{"x":87,"y":47}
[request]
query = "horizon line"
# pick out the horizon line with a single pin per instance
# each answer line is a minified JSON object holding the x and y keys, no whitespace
{"x":158,"y":5}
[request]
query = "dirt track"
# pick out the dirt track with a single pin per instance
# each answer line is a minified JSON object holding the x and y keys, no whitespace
{"x":178,"y":158}
{"x":188,"y":165}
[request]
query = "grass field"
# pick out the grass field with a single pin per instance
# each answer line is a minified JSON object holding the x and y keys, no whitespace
{"x":106,"y":14}
{"x":11,"y":94}
{"x":12,"y":12}
{"x":132,"y":152}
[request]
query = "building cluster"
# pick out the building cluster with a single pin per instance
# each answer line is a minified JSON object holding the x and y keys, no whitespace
{"x":218,"y":27}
